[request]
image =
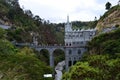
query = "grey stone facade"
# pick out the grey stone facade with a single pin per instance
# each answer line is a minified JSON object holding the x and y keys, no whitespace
{"x":75,"y":43}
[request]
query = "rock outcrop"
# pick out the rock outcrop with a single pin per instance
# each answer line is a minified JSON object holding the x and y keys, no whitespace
{"x":109,"y":19}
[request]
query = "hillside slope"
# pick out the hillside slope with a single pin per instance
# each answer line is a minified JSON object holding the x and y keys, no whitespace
{"x":109,"y":19}
{"x":23,"y":23}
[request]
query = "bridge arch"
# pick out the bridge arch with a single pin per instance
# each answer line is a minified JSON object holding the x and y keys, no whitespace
{"x":44,"y":55}
{"x":59,"y":55}
{"x":50,"y":50}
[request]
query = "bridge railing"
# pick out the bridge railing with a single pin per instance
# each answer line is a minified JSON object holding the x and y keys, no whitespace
{"x":33,"y":45}
{"x":46,"y":46}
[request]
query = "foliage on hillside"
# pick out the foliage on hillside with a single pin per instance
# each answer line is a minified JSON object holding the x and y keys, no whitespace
{"x":95,"y":67}
{"x":5,"y":46}
{"x":22,"y":67}
{"x":105,"y":43}
{"x":24,"y":23}
{"x":84,"y":25}
{"x":20,"y":64}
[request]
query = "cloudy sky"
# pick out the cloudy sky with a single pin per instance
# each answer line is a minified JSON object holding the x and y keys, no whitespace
{"x":57,"y":10}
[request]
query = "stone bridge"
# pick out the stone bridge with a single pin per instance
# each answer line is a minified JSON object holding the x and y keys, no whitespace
{"x":51,"y":50}
{"x":72,"y":53}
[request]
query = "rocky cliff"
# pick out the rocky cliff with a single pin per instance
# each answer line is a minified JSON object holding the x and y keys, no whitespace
{"x":109,"y":19}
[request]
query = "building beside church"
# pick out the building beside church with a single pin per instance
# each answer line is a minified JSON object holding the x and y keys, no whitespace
{"x":75,"y":42}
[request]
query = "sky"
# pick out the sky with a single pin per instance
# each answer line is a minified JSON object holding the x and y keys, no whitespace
{"x":56,"y":11}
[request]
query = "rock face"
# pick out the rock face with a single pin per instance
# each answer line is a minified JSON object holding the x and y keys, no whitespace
{"x":109,"y":19}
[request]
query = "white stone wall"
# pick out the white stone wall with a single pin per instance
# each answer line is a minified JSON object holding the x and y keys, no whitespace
{"x":75,"y":43}
{"x":78,"y":38}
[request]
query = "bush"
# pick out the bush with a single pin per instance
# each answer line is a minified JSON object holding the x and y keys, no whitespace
{"x":22,"y":67}
{"x":106,"y":43}
{"x":96,"y":67}
{"x":6,"y":47}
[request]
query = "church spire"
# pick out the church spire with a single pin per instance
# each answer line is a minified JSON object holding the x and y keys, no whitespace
{"x":67,"y":19}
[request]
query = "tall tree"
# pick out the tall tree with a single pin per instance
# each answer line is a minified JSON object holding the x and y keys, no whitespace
{"x":108,"y":5}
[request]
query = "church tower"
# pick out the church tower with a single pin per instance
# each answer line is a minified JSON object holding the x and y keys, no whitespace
{"x":68,"y":26}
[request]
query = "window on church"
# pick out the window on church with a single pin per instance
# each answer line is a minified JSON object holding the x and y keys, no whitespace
{"x":81,"y":42}
{"x":77,"y":35}
{"x":79,"y":51}
{"x":69,"y":63}
{"x":66,"y":44}
{"x":81,"y":35}
{"x":70,"y":51}
{"x":70,"y":44}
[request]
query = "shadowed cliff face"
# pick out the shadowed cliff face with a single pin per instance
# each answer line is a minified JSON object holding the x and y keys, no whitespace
{"x":109,"y":19}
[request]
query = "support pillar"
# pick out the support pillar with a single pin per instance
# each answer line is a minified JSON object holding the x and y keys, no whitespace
{"x":66,"y":60}
{"x":51,"y":59}
{"x":66,"y":64}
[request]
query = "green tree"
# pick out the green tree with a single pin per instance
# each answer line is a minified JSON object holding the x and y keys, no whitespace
{"x":6,"y":47}
{"x":2,"y":33}
{"x":23,"y":67}
{"x":96,"y":67}
{"x":108,"y":5}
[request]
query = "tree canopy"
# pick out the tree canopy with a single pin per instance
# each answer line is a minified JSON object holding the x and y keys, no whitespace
{"x":108,"y":5}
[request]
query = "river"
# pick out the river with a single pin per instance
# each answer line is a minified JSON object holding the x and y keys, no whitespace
{"x":58,"y":70}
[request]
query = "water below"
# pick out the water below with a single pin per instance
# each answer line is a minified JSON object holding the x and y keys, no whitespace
{"x":58,"y":70}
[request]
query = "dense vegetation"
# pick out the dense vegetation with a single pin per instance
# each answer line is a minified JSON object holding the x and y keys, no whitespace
{"x":106,"y":43}
{"x":84,"y":25}
{"x":20,"y":63}
{"x":22,"y":67}
{"x":24,"y":23}
{"x":95,"y":67}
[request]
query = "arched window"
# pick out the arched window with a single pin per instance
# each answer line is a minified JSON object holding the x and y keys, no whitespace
{"x":74,"y":62}
{"x":79,"y":51}
{"x":70,"y":44}
{"x":66,"y":44}
{"x":69,"y":63}
{"x":70,"y":51}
